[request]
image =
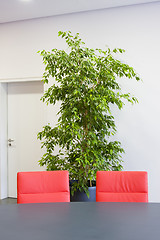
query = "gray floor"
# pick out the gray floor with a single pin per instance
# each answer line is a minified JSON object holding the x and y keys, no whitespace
{"x":8,"y":201}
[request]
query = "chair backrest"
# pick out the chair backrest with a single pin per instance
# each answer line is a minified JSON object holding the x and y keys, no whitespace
{"x":121,"y":186}
{"x":44,"y":186}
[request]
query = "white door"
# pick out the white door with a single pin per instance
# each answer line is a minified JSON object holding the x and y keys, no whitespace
{"x":25,"y":120}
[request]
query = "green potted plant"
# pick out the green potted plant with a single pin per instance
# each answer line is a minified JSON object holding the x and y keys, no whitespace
{"x":86,"y":81}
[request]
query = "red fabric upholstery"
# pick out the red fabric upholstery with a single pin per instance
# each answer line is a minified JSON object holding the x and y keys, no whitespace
{"x":45,"y":186}
{"x":121,"y":186}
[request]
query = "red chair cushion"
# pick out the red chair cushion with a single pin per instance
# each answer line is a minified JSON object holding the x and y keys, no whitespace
{"x":121,"y":186}
{"x":44,"y":186}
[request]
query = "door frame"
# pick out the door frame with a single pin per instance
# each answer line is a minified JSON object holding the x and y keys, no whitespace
{"x":4,"y":130}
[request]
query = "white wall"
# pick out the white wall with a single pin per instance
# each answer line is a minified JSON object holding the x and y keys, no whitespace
{"x":3,"y":140}
{"x":134,"y":28}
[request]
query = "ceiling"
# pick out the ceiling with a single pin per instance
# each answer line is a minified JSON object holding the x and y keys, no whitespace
{"x":15,"y":10}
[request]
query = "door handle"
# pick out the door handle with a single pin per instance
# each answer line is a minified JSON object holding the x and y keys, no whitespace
{"x":10,"y":141}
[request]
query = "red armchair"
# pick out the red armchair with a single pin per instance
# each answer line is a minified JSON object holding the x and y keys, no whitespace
{"x":45,"y":186}
{"x":121,"y":186}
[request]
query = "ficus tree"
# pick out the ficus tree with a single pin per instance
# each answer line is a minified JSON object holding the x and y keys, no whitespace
{"x":86,"y":81}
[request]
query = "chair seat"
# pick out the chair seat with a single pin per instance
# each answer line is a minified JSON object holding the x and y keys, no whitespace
{"x":122,"y":197}
{"x":44,"y":197}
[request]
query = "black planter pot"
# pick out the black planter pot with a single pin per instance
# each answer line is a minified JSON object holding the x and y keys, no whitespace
{"x":82,"y":196}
